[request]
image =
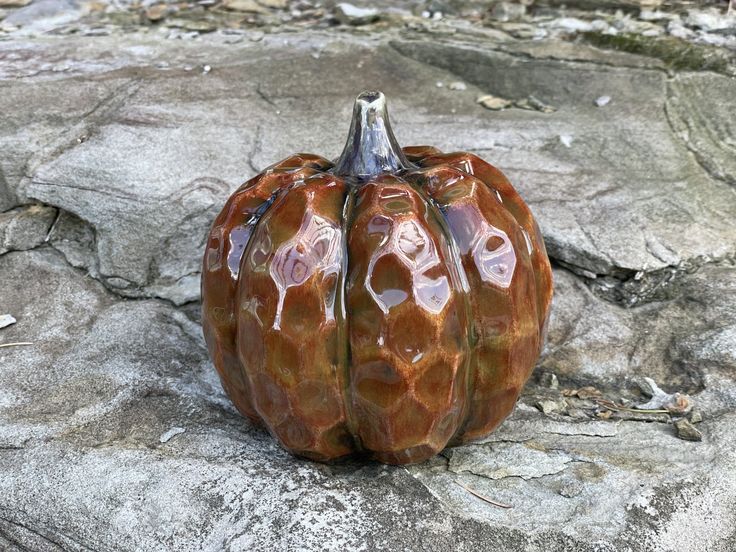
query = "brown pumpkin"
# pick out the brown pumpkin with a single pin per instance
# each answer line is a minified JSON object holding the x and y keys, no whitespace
{"x":389,"y":303}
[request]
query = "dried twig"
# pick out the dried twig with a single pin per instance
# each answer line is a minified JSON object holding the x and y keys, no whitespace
{"x":484,"y":498}
{"x":15,"y":344}
{"x":613,"y":406}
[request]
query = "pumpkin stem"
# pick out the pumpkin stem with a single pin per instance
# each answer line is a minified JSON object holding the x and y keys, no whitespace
{"x":371,"y":148}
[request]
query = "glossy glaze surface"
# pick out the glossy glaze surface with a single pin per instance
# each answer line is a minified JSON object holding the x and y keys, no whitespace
{"x":387,"y":310}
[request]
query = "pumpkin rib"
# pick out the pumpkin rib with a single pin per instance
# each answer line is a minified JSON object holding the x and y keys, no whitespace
{"x":499,"y":182}
{"x":456,"y":262}
{"x":221,"y":282}
{"x":230,"y":371}
{"x":463,"y":197}
{"x":343,"y":332}
{"x":407,"y":340}
{"x":288,"y":343}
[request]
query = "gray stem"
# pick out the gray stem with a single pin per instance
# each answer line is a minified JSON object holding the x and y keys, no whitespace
{"x":371,"y":148}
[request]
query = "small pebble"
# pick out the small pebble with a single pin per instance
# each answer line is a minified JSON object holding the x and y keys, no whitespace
{"x":248,"y":6}
{"x":603,"y":100}
{"x":539,"y":105}
{"x":696,"y":417}
{"x":348,"y":14}
{"x":548,"y":406}
{"x":687,"y":431}
{"x":493,"y":102}
{"x":157,"y":12}
{"x":173,"y":432}
{"x":566,"y":140}
{"x":532,"y":103}
{"x":206,"y":69}
{"x":550,"y":380}
{"x":439,"y":84}
{"x":6,"y":320}
{"x":457,"y":85}
{"x":508,"y":11}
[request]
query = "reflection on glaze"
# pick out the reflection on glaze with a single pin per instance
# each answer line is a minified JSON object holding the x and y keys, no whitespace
{"x":415,"y":250}
{"x":314,"y":248}
{"x":238,"y":238}
{"x":490,"y":246}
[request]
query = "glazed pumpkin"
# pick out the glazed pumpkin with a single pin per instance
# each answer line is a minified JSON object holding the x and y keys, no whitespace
{"x":390,"y":303}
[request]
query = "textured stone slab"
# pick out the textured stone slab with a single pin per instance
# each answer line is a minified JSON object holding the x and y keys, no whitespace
{"x":84,"y":465}
{"x":615,"y":190}
{"x":25,"y":227}
{"x":114,"y":431}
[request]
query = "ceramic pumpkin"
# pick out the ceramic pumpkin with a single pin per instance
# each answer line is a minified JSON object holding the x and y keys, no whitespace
{"x":389,"y":303}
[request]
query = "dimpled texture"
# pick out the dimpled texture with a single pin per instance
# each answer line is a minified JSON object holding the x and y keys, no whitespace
{"x":388,"y":318}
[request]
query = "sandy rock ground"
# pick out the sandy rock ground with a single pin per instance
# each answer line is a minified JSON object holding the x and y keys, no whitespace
{"x":125,"y":126}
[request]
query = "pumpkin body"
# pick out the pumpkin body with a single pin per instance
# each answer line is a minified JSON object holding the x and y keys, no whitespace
{"x":388,"y":315}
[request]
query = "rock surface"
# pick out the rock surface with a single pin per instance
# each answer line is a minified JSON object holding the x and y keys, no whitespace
{"x":118,"y":150}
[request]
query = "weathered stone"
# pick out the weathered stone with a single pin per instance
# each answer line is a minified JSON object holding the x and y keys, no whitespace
{"x":25,"y":227}
{"x":6,"y":320}
{"x":704,"y":122}
{"x":593,"y":341}
{"x":44,"y":15}
{"x":136,"y":147}
{"x":354,"y":15}
{"x":76,"y":240}
{"x":687,"y":431}
{"x":501,"y":460}
{"x":507,"y":11}
{"x":244,"y":6}
{"x":590,"y":230}
{"x":493,"y":103}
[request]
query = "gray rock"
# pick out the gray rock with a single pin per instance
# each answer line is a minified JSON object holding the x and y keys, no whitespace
{"x":355,"y":15}
{"x":25,"y":227}
{"x":150,"y":217}
{"x":136,"y":152}
{"x":501,"y":460}
{"x":603,"y":213}
{"x":45,"y":15}
{"x":703,"y":121}
{"x":76,"y":240}
{"x":687,"y":431}
{"x":507,"y":11}
{"x":711,"y":19}
{"x":598,"y":342}
{"x":6,"y":320}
